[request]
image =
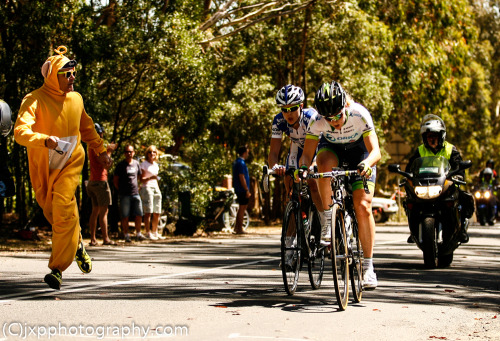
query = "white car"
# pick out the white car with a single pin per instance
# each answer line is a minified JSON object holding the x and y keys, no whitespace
{"x":383,"y":208}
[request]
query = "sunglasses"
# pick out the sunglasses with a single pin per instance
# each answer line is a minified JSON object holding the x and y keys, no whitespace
{"x":68,"y":74}
{"x":334,"y":117}
{"x":291,"y":109}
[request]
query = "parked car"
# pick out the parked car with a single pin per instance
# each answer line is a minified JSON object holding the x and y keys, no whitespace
{"x":383,"y":208}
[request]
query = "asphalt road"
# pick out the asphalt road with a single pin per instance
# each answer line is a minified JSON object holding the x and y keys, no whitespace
{"x":231,"y":288}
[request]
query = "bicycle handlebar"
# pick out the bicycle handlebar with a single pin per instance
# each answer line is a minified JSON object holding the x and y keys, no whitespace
{"x":341,"y":172}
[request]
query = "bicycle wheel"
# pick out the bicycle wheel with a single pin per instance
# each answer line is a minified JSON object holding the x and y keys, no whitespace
{"x":290,"y":250}
{"x":316,"y":263}
{"x":340,"y":259}
{"x":356,"y":266}
{"x":229,"y":218}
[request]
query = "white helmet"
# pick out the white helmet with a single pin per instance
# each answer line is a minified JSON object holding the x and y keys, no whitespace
{"x":433,"y":124}
{"x":5,"y":118}
{"x":289,"y":94}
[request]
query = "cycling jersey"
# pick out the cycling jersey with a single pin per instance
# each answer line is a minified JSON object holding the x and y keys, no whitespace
{"x":297,"y":136}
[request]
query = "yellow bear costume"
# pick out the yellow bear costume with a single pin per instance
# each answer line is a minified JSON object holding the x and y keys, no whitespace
{"x":55,"y":174}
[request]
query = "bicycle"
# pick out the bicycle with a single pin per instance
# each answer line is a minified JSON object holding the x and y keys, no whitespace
{"x":345,"y":248}
{"x":300,"y":236}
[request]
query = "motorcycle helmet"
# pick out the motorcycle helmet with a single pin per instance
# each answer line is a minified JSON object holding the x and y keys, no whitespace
{"x":487,"y":171}
{"x":330,"y":99}
{"x":289,"y":94}
{"x":5,"y":118}
{"x":98,"y":128}
{"x":433,"y":124}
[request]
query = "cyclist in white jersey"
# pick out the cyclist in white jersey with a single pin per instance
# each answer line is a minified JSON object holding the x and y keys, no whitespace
{"x":292,"y":121}
{"x":345,"y":137}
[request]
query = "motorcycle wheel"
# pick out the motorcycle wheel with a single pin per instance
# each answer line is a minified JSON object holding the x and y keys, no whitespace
{"x":429,"y":245}
{"x":445,"y":260}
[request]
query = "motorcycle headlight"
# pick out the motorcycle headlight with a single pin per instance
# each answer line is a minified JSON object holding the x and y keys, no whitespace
{"x":477,"y":195}
{"x":487,"y":195}
{"x":428,"y":192}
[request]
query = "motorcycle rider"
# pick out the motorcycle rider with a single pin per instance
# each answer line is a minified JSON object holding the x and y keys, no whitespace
{"x":433,"y":131}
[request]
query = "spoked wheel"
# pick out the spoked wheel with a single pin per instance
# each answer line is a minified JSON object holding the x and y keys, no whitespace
{"x":290,"y":250}
{"x":229,"y":219}
{"x":316,"y":264}
{"x":429,"y":245}
{"x":340,"y":259}
{"x":356,"y":266}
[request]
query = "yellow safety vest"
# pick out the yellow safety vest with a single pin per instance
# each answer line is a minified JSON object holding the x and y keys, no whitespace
{"x":445,"y":151}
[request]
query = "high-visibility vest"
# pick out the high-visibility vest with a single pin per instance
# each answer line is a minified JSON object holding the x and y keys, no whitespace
{"x":445,"y":151}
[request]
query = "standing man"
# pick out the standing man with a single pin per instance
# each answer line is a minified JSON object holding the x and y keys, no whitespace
{"x":127,"y":173}
{"x":241,"y":187}
{"x":99,"y":193}
{"x":51,"y":124}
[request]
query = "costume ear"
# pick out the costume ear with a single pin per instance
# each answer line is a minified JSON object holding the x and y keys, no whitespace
{"x":46,"y":68}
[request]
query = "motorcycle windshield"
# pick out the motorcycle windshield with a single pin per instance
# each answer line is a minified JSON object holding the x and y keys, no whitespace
{"x":430,"y":166}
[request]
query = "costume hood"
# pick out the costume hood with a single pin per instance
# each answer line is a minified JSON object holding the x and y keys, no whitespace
{"x":52,"y":65}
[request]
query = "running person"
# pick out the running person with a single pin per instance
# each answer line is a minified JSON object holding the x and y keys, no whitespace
{"x":344,"y":135}
{"x":292,"y":121}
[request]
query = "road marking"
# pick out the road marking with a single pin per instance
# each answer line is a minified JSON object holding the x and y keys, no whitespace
{"x":77,"y":288}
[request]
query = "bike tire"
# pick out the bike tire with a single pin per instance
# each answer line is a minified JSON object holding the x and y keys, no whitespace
{"x":340,"y":258}
{"x":316,"y":262}
{"x":290,"y":250}
{"x":356,"y":266}
{"x":429,"y":245}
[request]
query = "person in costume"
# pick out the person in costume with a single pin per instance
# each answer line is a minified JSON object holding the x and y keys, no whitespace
{"x":51,"y":124}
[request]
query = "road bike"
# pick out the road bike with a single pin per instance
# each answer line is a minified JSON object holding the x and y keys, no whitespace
{"x":300,"y":236}
{"x":345,"y":249}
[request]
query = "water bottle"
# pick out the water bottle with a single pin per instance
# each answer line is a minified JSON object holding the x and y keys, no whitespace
{"x":305,"y":223}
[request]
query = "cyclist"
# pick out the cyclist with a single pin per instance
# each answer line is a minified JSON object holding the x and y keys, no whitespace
{"x":433,"y":131}
{"x":344,"y":135}
{"x":291,"y":121}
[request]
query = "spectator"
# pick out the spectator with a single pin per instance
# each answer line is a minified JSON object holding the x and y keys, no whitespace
{"x":127,"y":173}
{"x":51,"y":123}
{"x":241,"y":184}
{"x":99,"y":193}
{"x":150,"y":193}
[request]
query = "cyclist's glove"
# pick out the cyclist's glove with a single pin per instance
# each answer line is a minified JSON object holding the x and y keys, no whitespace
{"x":364,"y":167}
{"x":298,"y":174}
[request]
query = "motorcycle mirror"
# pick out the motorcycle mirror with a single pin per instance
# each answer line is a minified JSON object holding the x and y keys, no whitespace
{"x":393,"y":168}
{"x":465,"y":164}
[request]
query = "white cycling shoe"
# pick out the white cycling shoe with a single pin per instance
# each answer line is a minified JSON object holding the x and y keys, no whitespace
{"x":370,"y":280}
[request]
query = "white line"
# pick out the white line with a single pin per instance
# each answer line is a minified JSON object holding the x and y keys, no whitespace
{"x":77,"y":288}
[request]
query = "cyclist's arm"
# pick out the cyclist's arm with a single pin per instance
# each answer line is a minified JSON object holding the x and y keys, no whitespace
{"x":372,"y":146}
{"x":310,"y":146}
{"x":274,"y":150}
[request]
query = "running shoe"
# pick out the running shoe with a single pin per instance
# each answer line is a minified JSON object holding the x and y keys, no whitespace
{"x":127,"y":238}
{"x":140,"y":237}
{"x":83,"y":259}
{"x":159,"y":236}
{"x":54,"y":279}
{"x":369,"y":280}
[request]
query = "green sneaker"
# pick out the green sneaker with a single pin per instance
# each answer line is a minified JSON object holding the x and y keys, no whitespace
{"x":83,"y":259}
{"x":54,"y":279}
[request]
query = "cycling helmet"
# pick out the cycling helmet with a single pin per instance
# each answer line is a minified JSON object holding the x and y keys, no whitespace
{"x":330,"y":99}
{"x":5,"y":118}
{"x":289,"y":94}
{"x":433,"y":124}
{"x":98,"y":128}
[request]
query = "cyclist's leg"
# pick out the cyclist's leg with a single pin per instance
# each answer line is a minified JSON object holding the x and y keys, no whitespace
{"x":326,"y":160}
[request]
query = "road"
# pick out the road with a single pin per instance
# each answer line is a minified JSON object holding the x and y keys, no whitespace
{"x":230,"y":288}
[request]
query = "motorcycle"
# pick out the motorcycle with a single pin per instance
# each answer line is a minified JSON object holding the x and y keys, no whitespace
{"x":433,"y":207}
{"x":486,"y":204}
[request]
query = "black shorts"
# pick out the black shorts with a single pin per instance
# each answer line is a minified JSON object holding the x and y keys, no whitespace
{"x":241,"y":198}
